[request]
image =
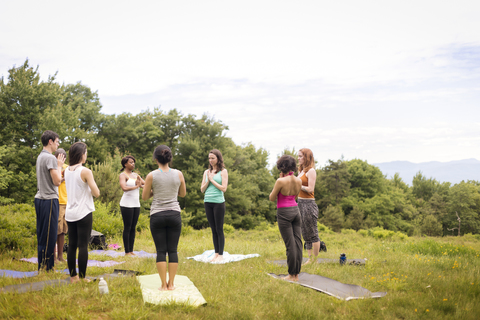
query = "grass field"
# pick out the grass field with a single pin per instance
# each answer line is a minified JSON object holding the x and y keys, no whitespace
{"x":425,"y":278}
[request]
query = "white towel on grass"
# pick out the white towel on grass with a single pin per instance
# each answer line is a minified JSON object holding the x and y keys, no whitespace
{"x":209,"y":254}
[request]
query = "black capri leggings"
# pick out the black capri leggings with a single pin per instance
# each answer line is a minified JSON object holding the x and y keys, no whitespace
{"x":78,"y":237}
{"x":166,"y":227}
{"x":130,"y":219}
{"x":216,"y":216}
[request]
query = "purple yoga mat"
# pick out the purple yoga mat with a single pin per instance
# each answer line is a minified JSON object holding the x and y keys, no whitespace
{"x":114,"y":254}
{"x":24,"y":274}
{"x":90,"y":263}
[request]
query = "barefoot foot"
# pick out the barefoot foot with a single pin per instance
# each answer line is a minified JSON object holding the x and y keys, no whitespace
{"x":74,"y":279}
{"x":290,"y":278}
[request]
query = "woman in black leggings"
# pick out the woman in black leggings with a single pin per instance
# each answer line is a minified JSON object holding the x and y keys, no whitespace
{"x":81,"y":188}
{"x":165,"y":185}
{"x":130,"y":182}
{"x":214,"y":184}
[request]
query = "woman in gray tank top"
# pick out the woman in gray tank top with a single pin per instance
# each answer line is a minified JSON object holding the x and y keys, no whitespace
{"x":165,"y":185}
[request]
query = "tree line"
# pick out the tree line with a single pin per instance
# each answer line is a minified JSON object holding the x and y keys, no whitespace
{"x":350,"y":194}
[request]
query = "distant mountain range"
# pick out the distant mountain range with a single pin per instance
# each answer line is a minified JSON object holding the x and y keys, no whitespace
{"x":453,"y":171}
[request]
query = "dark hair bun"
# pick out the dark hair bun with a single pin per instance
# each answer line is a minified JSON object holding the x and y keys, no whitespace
{"x":286,"y":164}
{"x":163,"y":154}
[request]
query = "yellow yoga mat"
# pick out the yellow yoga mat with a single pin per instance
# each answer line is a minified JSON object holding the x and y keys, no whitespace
{"x":185,"y":291}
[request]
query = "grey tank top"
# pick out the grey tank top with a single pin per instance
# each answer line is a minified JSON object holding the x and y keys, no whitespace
{"x":165,"y":187}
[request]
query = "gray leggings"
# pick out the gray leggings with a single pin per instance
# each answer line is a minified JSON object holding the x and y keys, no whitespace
{"x":289,"y":224}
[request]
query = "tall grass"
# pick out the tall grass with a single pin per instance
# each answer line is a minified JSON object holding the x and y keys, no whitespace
{"x":429,"y":278}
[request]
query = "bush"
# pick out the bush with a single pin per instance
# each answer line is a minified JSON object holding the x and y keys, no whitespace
{"x":186,"y":230}
{"x":363,"y":232}
{"x":106,"y":176}
{"x":348,"y":231}
{"x":227,"y":229}
{"x":18,"y":227}
{"x":323,"y":228}
{"x":471,"y":237}
{"x":110,"y":223}
{"x":263,"y":226}
{"x":380,"y":233}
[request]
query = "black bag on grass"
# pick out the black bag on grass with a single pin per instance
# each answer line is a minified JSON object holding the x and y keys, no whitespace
{"x":97,"y":240}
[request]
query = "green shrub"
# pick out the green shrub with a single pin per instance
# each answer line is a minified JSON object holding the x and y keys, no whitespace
{"x":323,"y":228}
{"x":186,"y":230}
{"x":382,"y":234}
{"x":363,"y":232}
{"x":434,"y":248}
{"x":18,"y":227}
{"x":263,"y":226}
{"x":348,"y":231}
{"x":471,"y":237}
{"x":227,"y":229}
{"x":400,"y":235}
{"x":110,"y":223}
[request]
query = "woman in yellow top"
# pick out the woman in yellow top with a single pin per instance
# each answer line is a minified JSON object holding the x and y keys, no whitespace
{"x":62,"y":200}
{"x":306,"y":203}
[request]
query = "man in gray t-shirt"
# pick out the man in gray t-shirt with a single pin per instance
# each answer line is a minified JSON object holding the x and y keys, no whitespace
{"x":49,"y":177}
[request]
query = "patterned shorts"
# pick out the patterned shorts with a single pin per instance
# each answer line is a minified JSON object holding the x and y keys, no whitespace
{"x":309,"y":212}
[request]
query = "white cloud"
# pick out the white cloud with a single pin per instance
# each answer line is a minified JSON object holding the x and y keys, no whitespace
{"x":374,"y":80}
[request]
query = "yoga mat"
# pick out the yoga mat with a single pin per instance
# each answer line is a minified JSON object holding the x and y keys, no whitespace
{"x":114,"y":254}
{"x":35,"y":286}
{"x":40,"y":285}
{"x":90,"y":263}
{"x":209,"y":254}
{"x":332,"y":287}
{"x":356,"y":262}
{"x":185,"y":291}
{"x":23,"y":274}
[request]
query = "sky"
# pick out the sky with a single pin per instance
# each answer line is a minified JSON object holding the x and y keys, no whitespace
{"x":379,"y":81}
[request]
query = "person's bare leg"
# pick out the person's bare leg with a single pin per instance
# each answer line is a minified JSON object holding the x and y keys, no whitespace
{"x":315,"y":250}
{"x":313,"y":253}
{"x":310,"y":259}
{"x":172,"y":272}
{"x":162,"y":272}
{"x":60,"y":243}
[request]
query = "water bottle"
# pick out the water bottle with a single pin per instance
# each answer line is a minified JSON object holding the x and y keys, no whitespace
{"x":102,"y":286}
{"x":343,"y":258}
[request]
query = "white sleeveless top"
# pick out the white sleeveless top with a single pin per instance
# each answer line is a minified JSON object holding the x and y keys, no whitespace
{"x":80,"y":199}
{"x":131,"y":198}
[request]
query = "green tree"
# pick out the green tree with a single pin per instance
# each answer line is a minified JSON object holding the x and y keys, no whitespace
{"x":333,"y":217}
{"x":23,"y":98}
{"x":355,"y":219}
{"x":465,"y":200}
{"x":333,"y":183}
{"x":431,"y":227}
{"x":6,"y":177}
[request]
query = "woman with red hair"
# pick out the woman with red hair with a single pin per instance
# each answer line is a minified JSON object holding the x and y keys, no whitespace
{"x":306,"y":203}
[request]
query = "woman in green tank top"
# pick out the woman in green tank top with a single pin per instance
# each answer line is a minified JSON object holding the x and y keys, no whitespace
{"x":214,"y":184}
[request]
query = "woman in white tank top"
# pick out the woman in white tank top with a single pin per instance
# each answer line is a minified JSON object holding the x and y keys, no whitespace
{"x":130,"y":202}
{"x":81,"y":188}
